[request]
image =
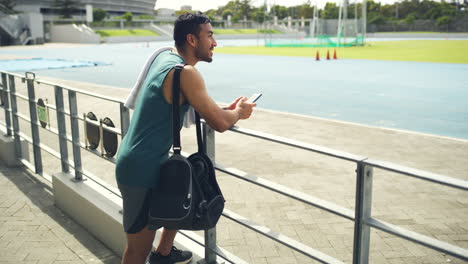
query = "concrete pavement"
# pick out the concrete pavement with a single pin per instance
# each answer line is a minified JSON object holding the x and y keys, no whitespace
{"x":33,"y":230}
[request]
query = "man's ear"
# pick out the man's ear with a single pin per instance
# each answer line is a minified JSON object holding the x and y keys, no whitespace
{"x":191,"y":40}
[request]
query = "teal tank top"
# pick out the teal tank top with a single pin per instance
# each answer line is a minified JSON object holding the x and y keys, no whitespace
{"x":149,"y":138}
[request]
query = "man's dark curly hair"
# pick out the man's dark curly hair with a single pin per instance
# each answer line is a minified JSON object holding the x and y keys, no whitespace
{"x":188,"y":23}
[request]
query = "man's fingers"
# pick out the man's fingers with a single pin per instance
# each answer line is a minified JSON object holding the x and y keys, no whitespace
{"x":237,"y":100}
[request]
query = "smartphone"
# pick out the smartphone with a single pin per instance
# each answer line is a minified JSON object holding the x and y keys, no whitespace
{"x":254,"y":98}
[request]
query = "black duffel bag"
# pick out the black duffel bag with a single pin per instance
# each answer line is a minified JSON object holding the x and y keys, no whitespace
{"x":187,"y":195}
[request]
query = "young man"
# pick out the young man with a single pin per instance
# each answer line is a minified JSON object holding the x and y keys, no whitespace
{"x":149,"y":137}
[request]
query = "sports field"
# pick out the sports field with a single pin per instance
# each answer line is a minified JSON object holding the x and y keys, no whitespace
{"x":443,"y":51}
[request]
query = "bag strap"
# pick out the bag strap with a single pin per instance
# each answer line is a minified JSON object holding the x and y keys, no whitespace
{"x":176,"y":146}
{"x":199,"y":133}
{"x":175,"y":109}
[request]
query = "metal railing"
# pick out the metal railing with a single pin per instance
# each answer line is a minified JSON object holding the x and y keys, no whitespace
{"x":362,"y":216}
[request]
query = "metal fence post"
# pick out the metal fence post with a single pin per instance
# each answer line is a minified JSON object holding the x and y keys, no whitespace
{"x":14,"y":116}
{"x":210,"y":234}
{"x":61,"y":128}
{"x":75,"y":135}
{"x":363,"y":213}
{"x":124,"y":119}
{"x":6,"y":104}
{"x":34,"y":123}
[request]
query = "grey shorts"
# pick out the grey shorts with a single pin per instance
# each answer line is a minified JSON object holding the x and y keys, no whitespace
{"x":136,"y":204}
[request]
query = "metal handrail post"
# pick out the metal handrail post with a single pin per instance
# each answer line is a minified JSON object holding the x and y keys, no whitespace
{"x":75,"y":135}
{"x":14,"y":116}
{"x":34,"y":122}
{"x":210,"y":234}
{"x":124,"y":119}
{"x":6,"y":104}
{"x":61,"y":128}
{"x":363,"y":213}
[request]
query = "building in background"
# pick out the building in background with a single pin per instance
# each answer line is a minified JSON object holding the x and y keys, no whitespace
{"x":113,"y":7}
{"x":166,"y":12}
{"x":186,"y":8}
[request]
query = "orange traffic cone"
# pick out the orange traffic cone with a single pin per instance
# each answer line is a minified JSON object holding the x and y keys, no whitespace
{"x":328,"y":55}
{"x":317,"y":56}
{"x":334,"y":55}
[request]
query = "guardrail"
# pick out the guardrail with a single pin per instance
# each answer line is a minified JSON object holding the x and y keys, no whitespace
{"x":362,"y":217}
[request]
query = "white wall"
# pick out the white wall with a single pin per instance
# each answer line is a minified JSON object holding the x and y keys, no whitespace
{"x":35,"y":22}
{"x":73,"y":34}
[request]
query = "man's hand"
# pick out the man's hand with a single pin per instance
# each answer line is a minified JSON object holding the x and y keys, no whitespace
{"x":243,"y":108}
{"x":232,"y":106}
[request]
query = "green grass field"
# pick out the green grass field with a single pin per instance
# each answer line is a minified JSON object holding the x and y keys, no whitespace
{"x":446,"y":51}
{"x":244,"y":31}
{"x":125,"y":32}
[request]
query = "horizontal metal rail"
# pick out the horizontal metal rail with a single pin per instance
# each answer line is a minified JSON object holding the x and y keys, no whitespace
{"x":424,"y":175}
{"x":420,"y":239}
{"x":70,"y":163}
{"x":420,"y":174}
{"x":80,"y":91}
{"x":291,"y":243}
{"x":298,"y":144}
{"x":20,"y":96}
{"x":107,"y":128}
{"x":69,"y":139}
{"x":291,"y":193}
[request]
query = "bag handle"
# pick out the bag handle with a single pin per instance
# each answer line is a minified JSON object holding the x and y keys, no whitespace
{"x":176,"y":146}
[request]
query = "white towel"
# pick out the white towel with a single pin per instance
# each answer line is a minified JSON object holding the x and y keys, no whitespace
{"x":132,"y":97}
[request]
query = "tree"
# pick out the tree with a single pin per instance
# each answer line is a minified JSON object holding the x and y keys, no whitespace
{"x":128,"y":16}
{"x":424,"y":8}
{"x":306,"y":11}
{"x":259,"y":15}
{"x":444,"y":20}
{"x":402,"y":12}
{"x":234,"y":7}
{"x":66,"y":8}
{"x":226,"y":13}
{"x":330,"y":11}
{"x":7,"y":6}
{"x":448,"y":9}
{"x":395,"y":23}
{"x":293,"y":11}
{"x":410,"y":19}
{"x":388,"y":11}
{"x":375,"y":18}
{"x":99,"y":14}
{"x":245,"y":8}
{"x":211,"y":14}
{"x":280,"y":11}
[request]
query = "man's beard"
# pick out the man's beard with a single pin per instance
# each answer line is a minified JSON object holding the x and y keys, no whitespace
{"x":203,"y":56}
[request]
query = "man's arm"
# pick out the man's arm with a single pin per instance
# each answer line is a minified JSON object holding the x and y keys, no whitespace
{"x":194,"y":90}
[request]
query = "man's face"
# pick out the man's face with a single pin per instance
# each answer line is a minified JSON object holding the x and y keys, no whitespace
{"x":205,"y":43}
